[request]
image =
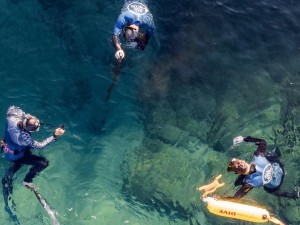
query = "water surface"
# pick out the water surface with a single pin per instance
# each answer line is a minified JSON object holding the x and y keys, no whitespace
{"x":214,"y":70}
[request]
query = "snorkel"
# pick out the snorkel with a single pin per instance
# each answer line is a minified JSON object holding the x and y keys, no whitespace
{"x":62,"y":126}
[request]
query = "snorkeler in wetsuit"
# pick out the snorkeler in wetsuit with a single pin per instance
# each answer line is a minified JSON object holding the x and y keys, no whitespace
{"x":135,"y":17}
{"x":18,"y":144}
{"x":260,"y":172}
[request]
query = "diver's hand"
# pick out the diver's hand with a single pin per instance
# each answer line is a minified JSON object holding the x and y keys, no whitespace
{"x":59,"y":132}
{"x":237,"y":140}
{"x":120,"y":54}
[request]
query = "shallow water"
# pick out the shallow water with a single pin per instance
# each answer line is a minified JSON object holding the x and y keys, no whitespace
{"x":216,"y":69}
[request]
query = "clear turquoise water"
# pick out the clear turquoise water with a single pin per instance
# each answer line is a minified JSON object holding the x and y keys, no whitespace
{"x":209,"y":57}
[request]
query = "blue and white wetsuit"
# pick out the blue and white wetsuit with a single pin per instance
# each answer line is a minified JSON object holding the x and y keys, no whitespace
{"x":266,"y":174}
{"x":17,"y":140}
{"x":133,"y":12}
{"x":263,"y":173}
{"x":18,"y":143}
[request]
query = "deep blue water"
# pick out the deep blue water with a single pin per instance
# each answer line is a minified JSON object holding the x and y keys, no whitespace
{"x":215,"y":70}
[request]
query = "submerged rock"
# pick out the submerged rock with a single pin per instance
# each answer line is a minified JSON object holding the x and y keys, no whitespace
{"x":167,"y":180}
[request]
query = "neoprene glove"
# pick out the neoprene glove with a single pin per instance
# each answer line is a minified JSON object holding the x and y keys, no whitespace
{"x":59,"y":132}
{"x":120,"y":54}
{"x":237,"y":140}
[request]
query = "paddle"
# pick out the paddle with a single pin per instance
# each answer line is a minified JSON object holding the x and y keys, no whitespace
{"x":51,"y":125}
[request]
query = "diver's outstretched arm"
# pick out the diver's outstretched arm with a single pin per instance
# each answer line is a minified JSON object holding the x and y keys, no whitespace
{"x":261,"y":145}
{"x":241,"y":192}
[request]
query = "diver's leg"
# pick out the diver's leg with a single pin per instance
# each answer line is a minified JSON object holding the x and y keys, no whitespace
{"x":7,"y":189}
{"x":38,"y":163}
{"x":293,"y":195}
{"x":7,"y":180}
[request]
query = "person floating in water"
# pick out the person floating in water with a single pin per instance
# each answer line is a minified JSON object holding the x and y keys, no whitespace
{"x":262,"y":171}
{"x":18,"y":144}
{"x":135,"y":16}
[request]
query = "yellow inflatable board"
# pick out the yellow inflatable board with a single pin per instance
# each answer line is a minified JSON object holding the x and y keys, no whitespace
{"x":239,"y":211}
{"x":232,"y":209}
